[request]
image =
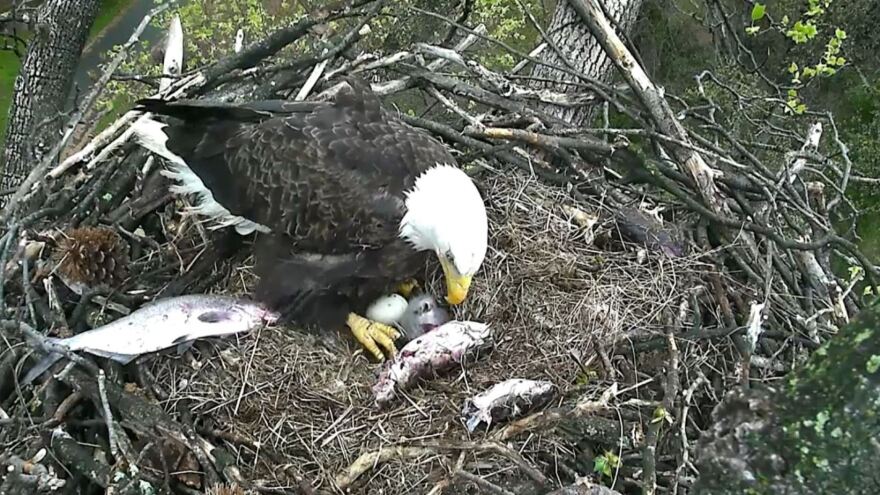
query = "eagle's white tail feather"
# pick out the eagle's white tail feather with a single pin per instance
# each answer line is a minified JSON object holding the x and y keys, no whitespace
{"x":151,"y":135}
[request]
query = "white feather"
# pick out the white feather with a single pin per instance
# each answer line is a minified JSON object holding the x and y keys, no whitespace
{"x":445,"y":214}
{"x":151,"y":135}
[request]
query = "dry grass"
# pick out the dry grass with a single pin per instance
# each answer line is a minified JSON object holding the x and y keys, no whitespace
{"x":285,"y":397}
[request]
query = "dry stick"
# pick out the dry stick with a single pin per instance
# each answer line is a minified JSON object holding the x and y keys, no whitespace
{"x":40,"y":170}
{"x":99,"y":140}
{"x":118,"y":444}
{"x":203,"y":79}
{"x":549,"y":418}
{"x":372,"y":459}
{"x":488,"y":485}
{"x":35,"y":339}
{"x":501,"y":84}
{"x":541,"y":140}
{"x":398,"y":85}
{"x":704,"y":176}
{"x":273,"y":43}
{"x":649,"y":456}
{"x":811,"y":144}
{"x":497,"y":448}
{"x":452,"y":106}
{"x":688,"y":396}
{"x":603,"y":90}
{"x":445,"y":482}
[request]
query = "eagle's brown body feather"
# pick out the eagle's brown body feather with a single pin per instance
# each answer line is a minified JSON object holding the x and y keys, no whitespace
{"x":328,"y":179}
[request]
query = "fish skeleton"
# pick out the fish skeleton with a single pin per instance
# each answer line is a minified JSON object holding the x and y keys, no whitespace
{"x":437,"y":351}
{"x":506,"y":400}
{"x":159,"y":325}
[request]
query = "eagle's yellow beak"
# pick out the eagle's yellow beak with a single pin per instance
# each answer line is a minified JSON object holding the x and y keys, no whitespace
{"x":457,"y":285}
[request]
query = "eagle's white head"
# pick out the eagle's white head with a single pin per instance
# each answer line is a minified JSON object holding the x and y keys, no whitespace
{"x":445,"y":214}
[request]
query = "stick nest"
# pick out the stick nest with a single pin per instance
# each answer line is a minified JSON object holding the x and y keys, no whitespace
{"x":550,"y":294}
{"x":641,"y":344}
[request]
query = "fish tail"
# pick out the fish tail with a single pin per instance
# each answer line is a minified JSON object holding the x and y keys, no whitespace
{"x":41,"y":366}
{"x":472,"y":422}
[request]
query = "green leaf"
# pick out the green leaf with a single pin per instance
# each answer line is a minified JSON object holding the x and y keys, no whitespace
{"x":752,"y":30}
{"x":600,"y":465}
{"x":661,"y":414}
{"x":792,"y":68}
{"x":873,"y":364}
{"x":840,"y":34}
{"x":785,"y":20}
{"x":758,"y":12}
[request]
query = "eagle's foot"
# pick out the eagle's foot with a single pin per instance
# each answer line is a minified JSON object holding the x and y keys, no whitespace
{"x":406,"y":287}
{"x":372,"y":335}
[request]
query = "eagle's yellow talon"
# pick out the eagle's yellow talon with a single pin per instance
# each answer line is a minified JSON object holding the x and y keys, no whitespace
{"x":407,"y":287}
{"x":372,"y":335}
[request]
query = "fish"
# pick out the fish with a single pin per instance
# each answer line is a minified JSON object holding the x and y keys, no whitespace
{"x":158,"y":325}
{"x":422,"y":315}
{"x":506,"y":400}
{"x":437,"y":351}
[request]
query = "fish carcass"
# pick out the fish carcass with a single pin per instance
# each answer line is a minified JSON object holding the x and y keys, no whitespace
{"x":437,"y":351}
{"x":159,"y":325}
{"x":506,"y":400}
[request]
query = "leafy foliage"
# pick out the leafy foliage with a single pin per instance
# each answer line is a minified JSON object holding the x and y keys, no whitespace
{"x":804,"y":31}
{"x":606,"y":464}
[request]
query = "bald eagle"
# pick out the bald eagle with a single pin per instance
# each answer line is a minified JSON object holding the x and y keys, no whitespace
{"x":345,"y":200}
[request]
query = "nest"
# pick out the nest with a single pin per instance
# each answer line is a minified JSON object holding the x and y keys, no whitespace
{"x":550,"y":294}
{"x":640,"y":344}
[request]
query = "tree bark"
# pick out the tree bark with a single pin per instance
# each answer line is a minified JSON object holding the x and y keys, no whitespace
{"x":815,"y":433}
{"x":579,"y":48}
{"x":43,"y":85}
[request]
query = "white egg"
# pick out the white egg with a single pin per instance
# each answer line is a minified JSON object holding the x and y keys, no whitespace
{"x":387,"y":309}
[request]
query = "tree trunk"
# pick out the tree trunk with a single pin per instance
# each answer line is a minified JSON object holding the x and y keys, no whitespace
{"x":816,"y":433}
{"x":580,"y":49}
{"x":43,"y":85}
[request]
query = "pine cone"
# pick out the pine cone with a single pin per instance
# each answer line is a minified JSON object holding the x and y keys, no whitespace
{"x":92,"y":257}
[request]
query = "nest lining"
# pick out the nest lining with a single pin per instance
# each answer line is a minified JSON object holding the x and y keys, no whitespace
{"x":550,"y":296}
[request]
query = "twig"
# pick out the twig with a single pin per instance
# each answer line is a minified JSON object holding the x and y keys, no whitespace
{"x":370,"y":460}
{"x":685,"y":448}
{"x":108,"y":416}
{"x":33,"y":179}
{"x":398,"y":85}
{"x":483,"y":483}
{"x":661,"y":416}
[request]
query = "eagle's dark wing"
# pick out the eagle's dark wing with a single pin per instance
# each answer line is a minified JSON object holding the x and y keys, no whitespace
{"x":328,"y":174}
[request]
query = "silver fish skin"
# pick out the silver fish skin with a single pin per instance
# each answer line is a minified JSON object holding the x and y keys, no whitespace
{"x":434,"y":352}
{"x":162,"y":324}
{"x":506,"y":400}
{"x":422,"y":315}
